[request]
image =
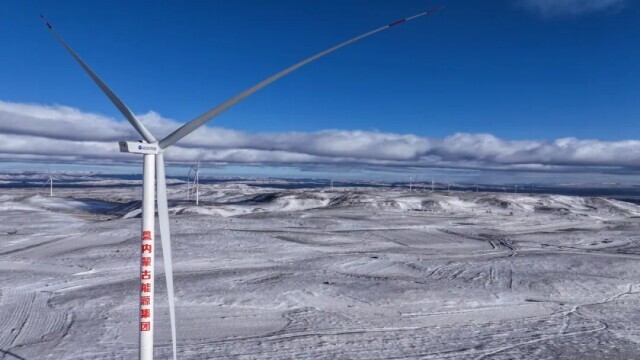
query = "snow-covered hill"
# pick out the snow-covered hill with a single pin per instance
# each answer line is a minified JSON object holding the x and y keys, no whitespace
{"x":264,"y":273}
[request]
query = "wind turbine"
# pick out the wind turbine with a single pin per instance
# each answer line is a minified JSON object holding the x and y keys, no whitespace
{"x":153,"y":171}
{"x":196,"y":181}
{"x":414,"y":183}
{"x":50,"y":182}
{"x":189,"y":184}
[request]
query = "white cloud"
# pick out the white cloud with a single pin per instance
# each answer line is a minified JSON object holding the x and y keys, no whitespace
{"x":31,"y":132}
{"x":59,"y":122}
{"x":570,"y":7}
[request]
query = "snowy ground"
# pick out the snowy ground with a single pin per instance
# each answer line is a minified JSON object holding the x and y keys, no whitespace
{"x":339,"y":274}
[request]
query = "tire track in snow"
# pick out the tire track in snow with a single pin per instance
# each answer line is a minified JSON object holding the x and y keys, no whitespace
{"x":566,"y":322}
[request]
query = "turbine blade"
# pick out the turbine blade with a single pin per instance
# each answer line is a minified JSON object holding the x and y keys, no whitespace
{"x":142,"y":130}
{"x":165,"y":236}
{"x":189,"y":127}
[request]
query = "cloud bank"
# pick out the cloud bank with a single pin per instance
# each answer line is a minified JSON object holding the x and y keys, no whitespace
{"x":37,"y":133}
{"x":570,"y":7}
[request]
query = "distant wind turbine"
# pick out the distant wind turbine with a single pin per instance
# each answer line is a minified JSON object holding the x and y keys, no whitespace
{"x":195,"y":183}
{"x":50,"y":182}
{"x":154,"y":172}
{"x":413,"y":181}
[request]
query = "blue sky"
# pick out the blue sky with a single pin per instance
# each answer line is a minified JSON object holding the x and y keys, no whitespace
{"x":519,"y":70}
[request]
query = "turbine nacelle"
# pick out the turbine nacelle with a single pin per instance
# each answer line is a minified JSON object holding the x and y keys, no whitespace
{"x":137,"y":147}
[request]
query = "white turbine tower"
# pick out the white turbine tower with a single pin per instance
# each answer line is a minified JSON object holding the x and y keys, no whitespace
{"x":189,"y":184}
{"x":195,"y":183}
{"x":413,"y":181}
{"x":50,"y":182}
{"x":153,"y":173}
